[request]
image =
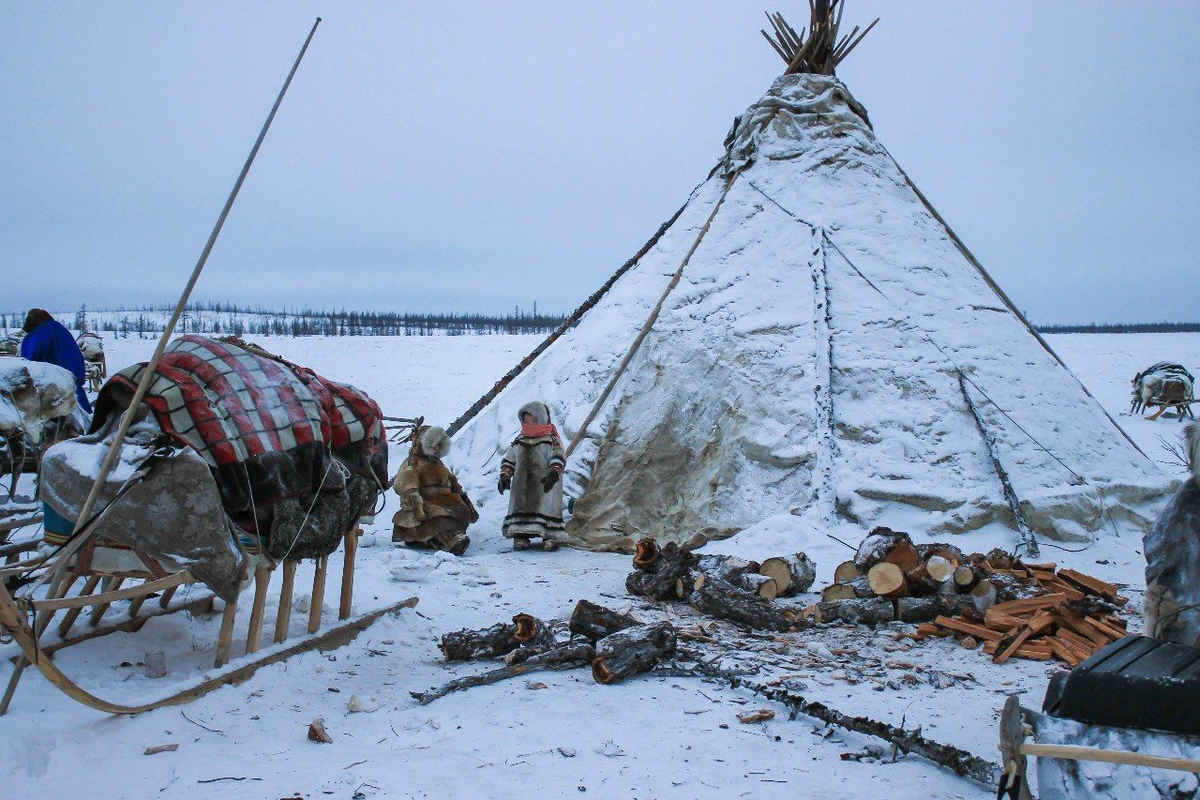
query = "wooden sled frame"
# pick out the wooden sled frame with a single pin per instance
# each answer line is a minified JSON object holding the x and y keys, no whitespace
{"x":15,"y":620}
{"x":1184,"y":406}
{"x":1015,"y":752}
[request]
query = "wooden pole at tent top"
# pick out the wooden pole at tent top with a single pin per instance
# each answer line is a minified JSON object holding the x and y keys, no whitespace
{"x":114,"y":450}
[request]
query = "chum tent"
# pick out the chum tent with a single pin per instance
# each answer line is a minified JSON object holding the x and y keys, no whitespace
{"x":806,"y":335}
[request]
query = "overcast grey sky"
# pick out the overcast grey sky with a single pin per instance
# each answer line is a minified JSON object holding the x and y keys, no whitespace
{"x":447,"y":156}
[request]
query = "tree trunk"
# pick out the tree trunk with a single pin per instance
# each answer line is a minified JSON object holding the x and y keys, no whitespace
{"x":659,"y":582}
{"x":792,"y":574}
{"x":573,"y":654}
{"x":632,"y":651}
{"x":721,"y":599}
{"x":594,"y":622}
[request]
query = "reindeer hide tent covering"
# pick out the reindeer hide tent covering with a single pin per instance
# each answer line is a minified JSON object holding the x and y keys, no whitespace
{"x":293,"y":457}
{"x":822,"y":341}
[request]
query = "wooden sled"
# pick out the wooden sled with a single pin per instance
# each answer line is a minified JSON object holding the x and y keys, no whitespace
{"x":16,"y":621}
{"x":1184,"y":407}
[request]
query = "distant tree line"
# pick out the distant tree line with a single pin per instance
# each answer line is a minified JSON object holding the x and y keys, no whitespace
{"x":225,"y":318}
{"x":1124,"y":327}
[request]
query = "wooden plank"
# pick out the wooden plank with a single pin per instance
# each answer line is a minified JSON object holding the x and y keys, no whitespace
{"x":1077,"y":753}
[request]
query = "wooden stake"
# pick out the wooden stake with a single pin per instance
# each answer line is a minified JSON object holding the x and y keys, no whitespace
{"x":318,"y":595}
{"x":262,"y":580}
{"x":348,"y":573}
{"x":283,"y":617}
{"x":225,"y":636}
{"x":165,"y":600}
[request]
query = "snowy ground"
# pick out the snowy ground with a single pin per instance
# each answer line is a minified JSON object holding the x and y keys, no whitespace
{"x":661,"y":737}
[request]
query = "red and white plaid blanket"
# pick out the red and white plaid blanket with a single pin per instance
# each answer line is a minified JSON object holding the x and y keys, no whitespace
{"x":267,"y":427}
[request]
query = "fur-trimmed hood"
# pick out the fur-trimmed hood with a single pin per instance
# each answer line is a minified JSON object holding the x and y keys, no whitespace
{"x":1193,"y":449}
{"x":434,"y":442}
{"x":539,"y":410}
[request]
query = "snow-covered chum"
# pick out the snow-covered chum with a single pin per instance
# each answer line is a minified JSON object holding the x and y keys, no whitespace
{"x":808,"y":333}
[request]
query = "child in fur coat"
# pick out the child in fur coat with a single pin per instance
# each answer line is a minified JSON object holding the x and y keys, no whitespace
{"x":1172,"y":547}
{"x":435,"y":510}
{"x":533,"y":468}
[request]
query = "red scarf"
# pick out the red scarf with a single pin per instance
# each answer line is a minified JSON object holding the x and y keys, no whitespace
{"x":535,"y":431}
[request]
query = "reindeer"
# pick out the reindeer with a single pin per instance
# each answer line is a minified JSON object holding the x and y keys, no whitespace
{"x":1164,"y":385}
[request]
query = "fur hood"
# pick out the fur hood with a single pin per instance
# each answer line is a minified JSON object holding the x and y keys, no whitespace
{"x":1193,"y":449}
{"x":434,"y":442}
{"x":539,"y":410}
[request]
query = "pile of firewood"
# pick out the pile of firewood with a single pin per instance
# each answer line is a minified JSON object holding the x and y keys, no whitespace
{"x":723,"y":586}
{"x":1012,"y":607}
{"x":615,"y":645}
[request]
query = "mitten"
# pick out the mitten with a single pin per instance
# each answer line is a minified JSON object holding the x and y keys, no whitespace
{"x":505,"y":482}
{"x":549,"y":481}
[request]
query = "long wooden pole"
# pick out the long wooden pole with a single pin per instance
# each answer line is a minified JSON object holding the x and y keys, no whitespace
{"x":114,"y":450}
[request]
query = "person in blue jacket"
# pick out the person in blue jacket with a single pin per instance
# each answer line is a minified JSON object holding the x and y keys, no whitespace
{"x":47,"y":340}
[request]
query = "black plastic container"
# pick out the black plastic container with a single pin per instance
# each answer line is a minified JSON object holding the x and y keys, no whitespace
{"x":1133,"y":683}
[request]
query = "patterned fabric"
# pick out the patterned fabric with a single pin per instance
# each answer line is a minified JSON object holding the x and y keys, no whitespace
{"x":265,"y":426}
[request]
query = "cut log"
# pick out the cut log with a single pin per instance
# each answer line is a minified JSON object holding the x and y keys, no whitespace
{"x":946,"y":552}
{"x":528,"y":628}
{"x":983,"y":596}
{"x":632,"y":651}
{"x":845,"y":572}
{"x":880,"y":544}
{"x":728,"y":568}
{"x":838,"y":591}
{"x":927,"y":609}
{"x":647,"y":554}
{"x":857,"y":611}
{"x":594,"y":622}
{"x":720,"y":598}
{"x":887,"y":580}
{"x":966,"y":576}
{"x":921,"y":582}
{"x":467,"y":644}
{"x":940,"y":568}
{"x":673,"y":564}
{"x":792,"y":574}
{"x":761,"y":585}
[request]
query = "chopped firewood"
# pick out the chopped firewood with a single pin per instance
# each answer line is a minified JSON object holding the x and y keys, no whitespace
{"x":661,"y":582}
{"x":753,"y":717}
{"x":317,"y":732}
{"x":1104,"y":628}
{"x":962,"y":626}
{"x":969,"y":642}
{"x":792,"y":574}
{"x":720,"y":598}
{"x":632,"y":651}
{"x":846,"y":572}
{"x":1031,"y":651}
{"x":594,"y":622}
{"x":855,"y":611}
{"x":1030,"y":603}
{"x":647,"y":554}
{"x":887,"y":580}
{"x":1062,"y":587}
{"x":160,"y":748}
{"x":1069,"y":636}
{"x":1089,"y":584}
{"x":1048,"y":566}
{"x":920,"y":582}
{"x":927,"y":629}
{"x":940,"y":568}
{"x":999,"y":559}
{"x":927,"y":609}
{"x":1063,"y":651}
{"x":999,"y":621}
{"x":1075,"y":623}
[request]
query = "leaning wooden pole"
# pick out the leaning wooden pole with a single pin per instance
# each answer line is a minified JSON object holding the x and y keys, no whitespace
{"x":114,"y":450}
